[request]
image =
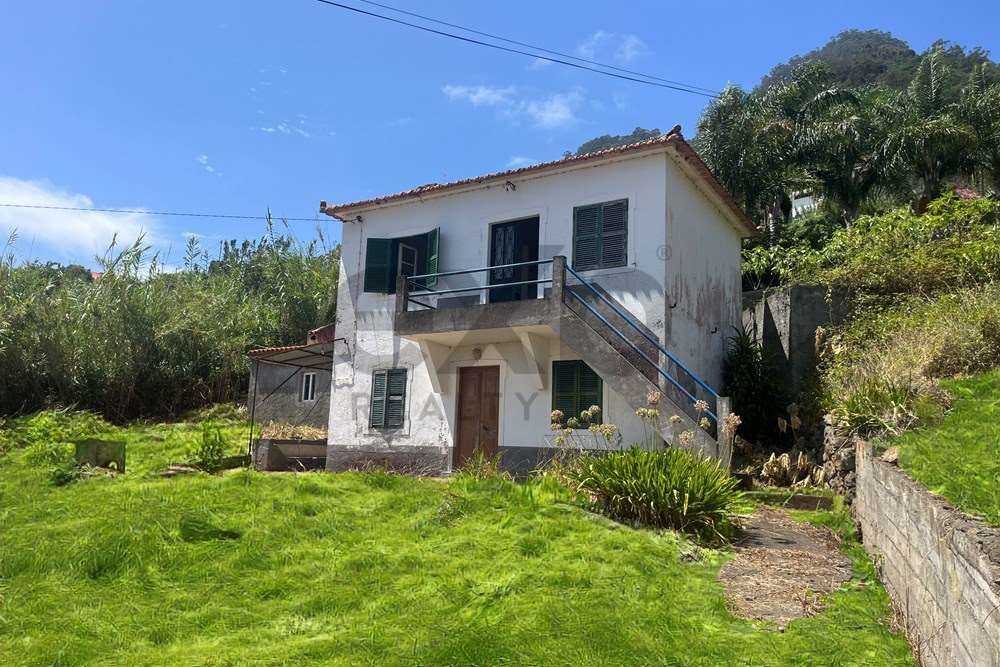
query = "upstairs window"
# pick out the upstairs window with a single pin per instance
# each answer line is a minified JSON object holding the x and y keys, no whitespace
{"x":600,"y":235}
{"x":308,"y":387}
{"x":409,"y":256}
{"x":388,"y":403}
{"x":576,"y":387}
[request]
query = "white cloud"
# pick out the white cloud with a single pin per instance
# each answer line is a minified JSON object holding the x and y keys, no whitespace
{"x":69,"y":233}
{"x":203,"y":161}
{"x":519,"y":161}
{"x":620,"y":101}
{"x":479,"y":96}
{"x":539,"y":63}
{"x":589,"y":47}
{"x":288,"y":127}
{"x":631,"y":47}
{"x":557,"y":110}
{"x":622,"y":47}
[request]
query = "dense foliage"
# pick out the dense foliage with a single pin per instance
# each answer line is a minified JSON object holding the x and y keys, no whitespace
{"x":669,"y":488}
{"x":954,"y":244}
{"x":134,"y":340}
{"x":606,"y":141}
{"x":854,"y":148}
{"x":883,"y":368}
{"x":858,"y":58}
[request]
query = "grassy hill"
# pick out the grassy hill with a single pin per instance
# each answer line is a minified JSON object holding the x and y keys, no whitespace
{"x":959,"y":457}
{"x":347,"y":569}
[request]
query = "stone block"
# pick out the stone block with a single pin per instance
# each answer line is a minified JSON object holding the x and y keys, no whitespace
{"x":101,"y":453}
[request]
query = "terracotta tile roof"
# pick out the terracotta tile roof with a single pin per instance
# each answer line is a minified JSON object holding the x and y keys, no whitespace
{"x":672,"y":139}
{"x":267,"y":351}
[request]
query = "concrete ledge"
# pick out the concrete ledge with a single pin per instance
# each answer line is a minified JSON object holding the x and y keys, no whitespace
{"x":530,"y":312}
{"x":270,"y":454}
{"x":522,"y":461}
{"x":410,"y":460}
{"x":940,"y":566}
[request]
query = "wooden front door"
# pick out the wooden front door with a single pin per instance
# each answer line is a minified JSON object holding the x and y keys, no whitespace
{"x":478,"y":412}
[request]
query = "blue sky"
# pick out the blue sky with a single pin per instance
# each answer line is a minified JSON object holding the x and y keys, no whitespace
{"x":233,"y":107}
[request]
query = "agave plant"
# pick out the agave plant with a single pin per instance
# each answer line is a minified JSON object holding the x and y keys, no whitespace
{"x":669,"y":488}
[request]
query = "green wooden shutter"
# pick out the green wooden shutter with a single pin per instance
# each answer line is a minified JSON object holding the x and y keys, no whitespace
{"x":380,"y":266}
{"x":590,"y":389}
{"x":376,"y":418}
{"x":575,"y":387}
{"x":614,"y":233}
{"x":564,"y":378}
{"x":395,"y":398}
{"x":586,"y":237}
{"x":433,"y":255}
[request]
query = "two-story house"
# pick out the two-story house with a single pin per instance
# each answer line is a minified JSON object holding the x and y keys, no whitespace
{"x":470,"y":311}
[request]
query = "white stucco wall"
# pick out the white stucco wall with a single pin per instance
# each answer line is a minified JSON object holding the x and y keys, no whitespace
{"x":661,"y":202}
{"x":703,"y":279}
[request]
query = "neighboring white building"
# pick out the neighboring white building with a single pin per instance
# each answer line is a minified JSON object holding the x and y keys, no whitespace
{"x":429,"y":371}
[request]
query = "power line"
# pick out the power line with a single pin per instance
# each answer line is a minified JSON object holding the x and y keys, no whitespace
{"x":227,"y":216}
{"x":539,"y":48}
{"x":684,"y":88}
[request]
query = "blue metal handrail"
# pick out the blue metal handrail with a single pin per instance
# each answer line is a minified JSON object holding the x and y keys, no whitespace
{"x":647,"y":336}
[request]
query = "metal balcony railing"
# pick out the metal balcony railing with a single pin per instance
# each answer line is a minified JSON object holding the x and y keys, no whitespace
{"x":419,"y":283}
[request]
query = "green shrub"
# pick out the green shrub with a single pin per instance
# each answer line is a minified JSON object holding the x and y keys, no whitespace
{"x":955,"y":244}
{"x":210,"y":449}
{"x":50,"y":426}
{"x":662,"y":489}
{"x":882,"y":370}
{"x":750,"y":381}
{"x":139,"y":342}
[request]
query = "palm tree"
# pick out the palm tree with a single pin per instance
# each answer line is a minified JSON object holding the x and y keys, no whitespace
{"x":748,"y":139}
{"x":980,"y":110}
{"x":837,"y":144}
{"x":926,"y":142}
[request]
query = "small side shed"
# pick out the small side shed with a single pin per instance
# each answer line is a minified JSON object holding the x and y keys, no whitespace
{"x":291,"y":384}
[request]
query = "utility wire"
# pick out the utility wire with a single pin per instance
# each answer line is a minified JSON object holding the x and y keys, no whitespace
{"x":141,"y":212}
{"x":539,"y":48}
{"x":682,"y":88}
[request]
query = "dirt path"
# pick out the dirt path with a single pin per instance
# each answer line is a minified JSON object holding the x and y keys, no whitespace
{"x":782,"y":568}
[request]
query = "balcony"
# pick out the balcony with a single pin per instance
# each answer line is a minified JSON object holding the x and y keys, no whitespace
{"x":624,"y":352}
{"x":493,"y":306}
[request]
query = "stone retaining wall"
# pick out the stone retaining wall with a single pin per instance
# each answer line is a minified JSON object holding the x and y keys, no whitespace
{"x":838,"y":458}
{"x":941,"y":567}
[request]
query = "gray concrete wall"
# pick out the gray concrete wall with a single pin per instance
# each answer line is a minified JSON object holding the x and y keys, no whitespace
{"x":941,"y":567}
{"x":284,"y":405}
{"x":786,"y":321}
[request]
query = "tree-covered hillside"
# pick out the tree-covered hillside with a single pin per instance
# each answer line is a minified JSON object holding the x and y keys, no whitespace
{"x":864,"y":57}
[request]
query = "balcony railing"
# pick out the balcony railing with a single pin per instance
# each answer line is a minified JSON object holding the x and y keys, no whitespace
{"x":407,"y":286}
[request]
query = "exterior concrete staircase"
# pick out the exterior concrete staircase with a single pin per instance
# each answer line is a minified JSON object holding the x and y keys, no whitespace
{"x":623,"y":352}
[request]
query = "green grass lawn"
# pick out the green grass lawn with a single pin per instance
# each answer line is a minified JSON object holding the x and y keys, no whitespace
{"x":281,"y":569}
{"x":959,"y":457}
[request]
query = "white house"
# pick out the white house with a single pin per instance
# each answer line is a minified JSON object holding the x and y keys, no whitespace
{"x":619,"y":274}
